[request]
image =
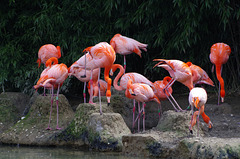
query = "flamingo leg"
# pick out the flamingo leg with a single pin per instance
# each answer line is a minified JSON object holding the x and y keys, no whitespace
{"x":167,"y":95}
{"x":91,"y":88}
{"x":125,"y":63}
{"x":57,"y":128}
{"x":139,"y":116}
{"x":198,"y":123}
{"x":99,"y":93}
{"x":219,"y":89}
{"x":134,"y":108}
{"x":144,"y":105}
{"x":84,"y":92}
{"x":84,"y":76}
{"x":48,"y":128}
{"x":190,"y":126}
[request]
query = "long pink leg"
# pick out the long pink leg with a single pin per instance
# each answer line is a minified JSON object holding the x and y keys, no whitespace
{"x":99,"y":93}
{"x":91,"y":88}
{"x":139,"y":116}
{"x":48,"y":128}
{"x":134,"y":108}
{"x":57,"y":106}
{"x":198,"y":122}
{"x":144,"y":105}
{"x":84,"y":92}
{"x":125,"y":63}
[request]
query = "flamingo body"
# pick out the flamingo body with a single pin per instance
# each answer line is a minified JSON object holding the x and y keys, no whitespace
{"x":199,"y":76}
{"x":46,"y":52}
{"x":158,"y":87}
{"x":125,"y":45}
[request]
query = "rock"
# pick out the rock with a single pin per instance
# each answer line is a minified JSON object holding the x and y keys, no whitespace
{"x":209,"y":148}
{"x":31,"y":129}
{"x":12,"y":107}
{"x":110,"y":128}
{"x":18,"y":99}
{"x":178,"y":122}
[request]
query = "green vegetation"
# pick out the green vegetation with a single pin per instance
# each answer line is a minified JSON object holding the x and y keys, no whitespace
{"x":177,"y":29}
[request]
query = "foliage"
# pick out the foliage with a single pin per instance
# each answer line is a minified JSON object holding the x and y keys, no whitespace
{"x":177,"y":29}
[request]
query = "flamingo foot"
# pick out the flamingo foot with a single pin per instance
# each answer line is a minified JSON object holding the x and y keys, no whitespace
{"x":48,"y":128}
{"x":57,"y":128}
{"x":90,"y":102}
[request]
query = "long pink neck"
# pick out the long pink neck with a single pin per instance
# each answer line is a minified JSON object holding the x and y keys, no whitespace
{"x":220,"y":79}
{"x":121,"y":72}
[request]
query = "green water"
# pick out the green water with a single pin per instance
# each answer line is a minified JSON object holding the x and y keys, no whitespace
{"x":19,"y":152}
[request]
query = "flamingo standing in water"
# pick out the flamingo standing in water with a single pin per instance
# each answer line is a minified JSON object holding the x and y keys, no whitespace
{"x":158,"y":87}
{"x":125,"y":45}
{"x":103,"y":56}
{"x":142,"y":93}
{"x":46,"y":52}
{"x":55,"y":76}
{"x":198,"y":98}
{"x":219,"y":55}
{"x":135,"y":77}
{"x":179,"y":71}
{"x":199,"y":76}
{"x":78,"y":70}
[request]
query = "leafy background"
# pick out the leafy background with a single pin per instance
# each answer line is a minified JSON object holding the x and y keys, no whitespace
{"x":176,"y":29}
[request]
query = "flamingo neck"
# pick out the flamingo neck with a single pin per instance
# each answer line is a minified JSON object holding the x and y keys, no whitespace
{"x":121,"y":72}
{"x":59,"y":51}
{"x":221,"y":81}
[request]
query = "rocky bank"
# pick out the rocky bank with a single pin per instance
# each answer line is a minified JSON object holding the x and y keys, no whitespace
{"x":23,"y":121}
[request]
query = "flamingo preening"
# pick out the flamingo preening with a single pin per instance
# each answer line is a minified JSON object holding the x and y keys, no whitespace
{"x":179,"y":71}
{"x":54,"y":78}
{"x":219,"y":55}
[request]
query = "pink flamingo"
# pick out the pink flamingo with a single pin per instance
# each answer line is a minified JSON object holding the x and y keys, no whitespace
{"x":124,"y":46}
{"x":103,"y":56}
{"x":179,"y":71}
{"x":78,"y":70}
{"x":46,"y":52}
{"x":199,"y":76}
{"x":49,"y":63}
{"x":135,"y":77}
{"x":158,"y":87}
{"x":55,"y":76}
{"x":142,"y":93}
{"x":198,"y":98}
{"x":219,"y":55}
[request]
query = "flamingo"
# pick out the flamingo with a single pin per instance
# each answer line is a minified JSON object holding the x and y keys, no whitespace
{"x":55,"y":76}
{"x":125,"y":45}
{"x":158,"y":87}
{"x":199,"y":76}
{"x":103,"y":56}
{"x":46,"y":52}
{"x":49,"y":63}
{"x":142,"y":93}
{"x":78,"y":70}
{"x":135,"y":77}
{"x":179,"y":71}
{"x":219,"y":55}
{"x":198,"y":98}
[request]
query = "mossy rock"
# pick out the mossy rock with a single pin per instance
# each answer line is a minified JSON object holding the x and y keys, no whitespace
{"x":31,"y":130}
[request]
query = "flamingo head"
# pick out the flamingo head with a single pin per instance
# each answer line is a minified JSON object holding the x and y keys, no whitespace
{"x":195,"y":101}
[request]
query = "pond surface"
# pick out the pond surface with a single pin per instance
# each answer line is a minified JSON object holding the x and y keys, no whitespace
{"x":23,"y":152}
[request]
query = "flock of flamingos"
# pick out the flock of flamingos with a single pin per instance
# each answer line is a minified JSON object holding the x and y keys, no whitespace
{"x":137,"y":87}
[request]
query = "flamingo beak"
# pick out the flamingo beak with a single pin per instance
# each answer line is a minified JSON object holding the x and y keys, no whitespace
{"x":131,"y":92}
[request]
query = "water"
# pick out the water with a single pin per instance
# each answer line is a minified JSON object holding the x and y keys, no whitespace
{"x":23,"y":152}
